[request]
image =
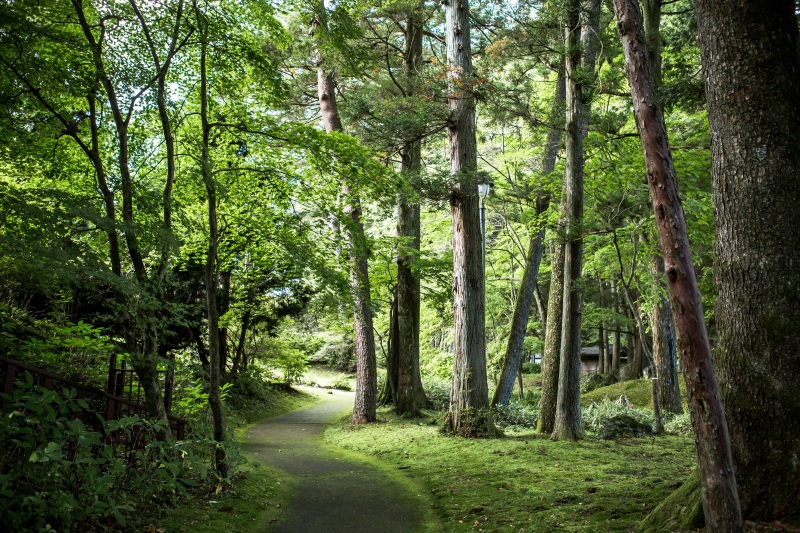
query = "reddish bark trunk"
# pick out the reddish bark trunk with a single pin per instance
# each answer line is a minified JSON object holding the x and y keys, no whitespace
{"x":720,"y":498}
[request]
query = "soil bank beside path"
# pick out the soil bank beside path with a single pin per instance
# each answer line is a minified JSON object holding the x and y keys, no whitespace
{"x":332,"y":492}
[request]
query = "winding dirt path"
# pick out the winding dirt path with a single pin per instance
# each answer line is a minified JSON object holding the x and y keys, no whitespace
{"x":332,"y":493}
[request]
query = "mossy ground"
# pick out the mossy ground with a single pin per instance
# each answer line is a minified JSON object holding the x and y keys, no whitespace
{"x":526,"y":482}
{"x":638,"y":392}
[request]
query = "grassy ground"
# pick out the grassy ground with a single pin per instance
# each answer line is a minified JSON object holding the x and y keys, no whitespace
{"x":526,"y":482}
{"x":258,"y":492}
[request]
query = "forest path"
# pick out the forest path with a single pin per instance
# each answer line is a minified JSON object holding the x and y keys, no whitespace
{"x":333,"y":491}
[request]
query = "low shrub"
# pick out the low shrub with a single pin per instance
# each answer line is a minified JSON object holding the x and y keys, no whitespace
{"x":531,"y":368}
{"x":57,"y":472}
{"x":678,"y":424}
{"x":438,"y":394}
{"x":341,"y":382}
{"x":516,"y":414}
{"x":597,"y":415}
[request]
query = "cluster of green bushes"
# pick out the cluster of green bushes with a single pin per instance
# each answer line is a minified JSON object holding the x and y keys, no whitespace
{"x":58,"y":472}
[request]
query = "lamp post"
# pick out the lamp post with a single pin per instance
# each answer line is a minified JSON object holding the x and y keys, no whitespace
{"x":483,"y":192}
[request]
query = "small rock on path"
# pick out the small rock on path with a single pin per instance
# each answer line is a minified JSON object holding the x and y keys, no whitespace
{"x":333,"y":494}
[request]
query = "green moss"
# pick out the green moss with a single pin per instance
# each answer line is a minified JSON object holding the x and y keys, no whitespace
{"x":525,"y":482}
{"x":681,"y":511}
{"x":638,"y":391}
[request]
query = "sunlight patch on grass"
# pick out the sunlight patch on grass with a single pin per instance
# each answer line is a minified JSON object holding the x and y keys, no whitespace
{"x":526,"y":482}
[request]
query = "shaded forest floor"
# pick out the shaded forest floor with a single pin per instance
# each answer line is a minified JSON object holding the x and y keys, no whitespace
{"x":525,"y":482}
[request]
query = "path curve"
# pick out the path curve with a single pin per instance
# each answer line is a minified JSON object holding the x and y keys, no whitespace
{"x":333,"y":494}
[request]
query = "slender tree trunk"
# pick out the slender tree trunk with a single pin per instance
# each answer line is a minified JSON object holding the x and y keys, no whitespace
{"x":752,"y":72}
{"x":410,"y":396}
{"x":551,"y":358}
{"x":719,"y":494}
{"x":389,"y":393}
{"x":146,"y":345}
{"x":527,"y":289}
{"x":366,"y":371}
{"x":664,"y":348}
{"x":616,"y":341}
{"x":568,"y":408}
{"x":211,"y":282}
{"x":469,"y":397}
{"x":661,"y":316}
{"x":601,"y":337}
{"x":601,"y":356}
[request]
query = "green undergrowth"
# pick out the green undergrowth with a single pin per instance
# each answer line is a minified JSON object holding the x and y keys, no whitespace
{"x":258,"y":491}
{"x":526,"y":482}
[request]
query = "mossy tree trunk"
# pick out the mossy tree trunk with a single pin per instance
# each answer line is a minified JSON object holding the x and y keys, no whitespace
{"x":468,"y":413}
{"x":749,"y":52}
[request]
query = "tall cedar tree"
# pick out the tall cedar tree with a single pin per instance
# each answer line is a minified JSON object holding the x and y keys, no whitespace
{"x":366,"y":400}
{"x":468,"y":414}
{"x":409,"y":396}
{"x":568,"y":408}
{"x":661,"y":315}
{"x":718,"y":482}
{"x":752,"y":70}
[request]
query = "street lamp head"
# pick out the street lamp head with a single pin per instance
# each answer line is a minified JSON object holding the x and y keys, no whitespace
{"x":483,"y":190}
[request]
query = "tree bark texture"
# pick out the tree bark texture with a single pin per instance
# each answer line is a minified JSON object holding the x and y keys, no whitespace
{"x":366,"y":367}
{"x":409,"y":395}
{"x":661,"y":316}
{"x":469,"y":396}
{"x":211,"y":277}
{"x":551,"y":358}
{"x":669,"y":393}
{"x":752,"y":71}
{"x":580,"y":36}
{"x":719,"y":494}
{"x":530,"y":276}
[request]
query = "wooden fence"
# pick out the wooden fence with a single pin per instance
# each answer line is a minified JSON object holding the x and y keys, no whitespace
{"x":110,"y":406}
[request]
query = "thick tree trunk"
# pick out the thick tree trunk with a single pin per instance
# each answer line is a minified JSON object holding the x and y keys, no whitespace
{"x":752,"y":70}
{"x":366,"y":400}
{"x":409,"y":395}
{"x":720,"y":498}
{"x":469,"y":396}
{"x":527,"y":289}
